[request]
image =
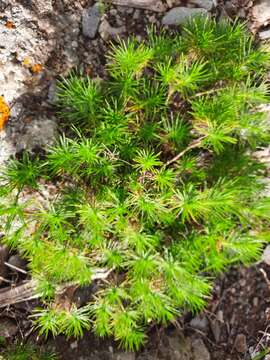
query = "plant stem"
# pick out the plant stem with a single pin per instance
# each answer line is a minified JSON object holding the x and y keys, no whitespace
{"x":194,"y":144}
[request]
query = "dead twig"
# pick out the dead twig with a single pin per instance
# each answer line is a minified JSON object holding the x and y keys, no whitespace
{"x":29,"y":289}
{"x":265,"y":277}
{"x":13,"y":267}
{"x":193,"y":145}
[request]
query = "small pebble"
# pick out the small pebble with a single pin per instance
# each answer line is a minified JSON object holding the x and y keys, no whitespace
{"x":240,"y":343}
{"x":264,"y":35}
{"x":74,"y":345}
{"x":90,"y":21}
{"x":179,"y":15}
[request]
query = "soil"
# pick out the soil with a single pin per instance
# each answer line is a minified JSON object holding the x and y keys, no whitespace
{"x":49,"y":34}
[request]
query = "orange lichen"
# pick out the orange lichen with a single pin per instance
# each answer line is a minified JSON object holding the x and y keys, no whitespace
{"x":4,"y":112}
{"x":10,"y":25}
{"x":36,"y":68}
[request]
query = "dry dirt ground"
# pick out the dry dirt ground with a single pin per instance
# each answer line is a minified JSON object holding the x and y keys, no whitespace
{"x":40,"y":40}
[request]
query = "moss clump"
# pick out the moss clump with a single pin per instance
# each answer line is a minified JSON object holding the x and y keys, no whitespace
{"x":160,"y":186}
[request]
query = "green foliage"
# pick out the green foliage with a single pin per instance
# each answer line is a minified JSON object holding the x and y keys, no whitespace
{"x":158,"y":188}
{"x":28,"y":352}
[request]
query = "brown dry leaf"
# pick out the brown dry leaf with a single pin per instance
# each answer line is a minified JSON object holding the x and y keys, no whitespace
{"x":219,"y":245}
{"x":4,"y":112}
{"x":36,"y":68}
{"x":10,"y":25}
{"x":64,"y":300}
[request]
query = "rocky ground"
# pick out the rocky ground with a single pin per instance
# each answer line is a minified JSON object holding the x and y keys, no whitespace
{"x":41,"y":40}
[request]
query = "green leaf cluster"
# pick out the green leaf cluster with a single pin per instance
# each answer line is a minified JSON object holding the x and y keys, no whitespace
{"x":157,"y":183}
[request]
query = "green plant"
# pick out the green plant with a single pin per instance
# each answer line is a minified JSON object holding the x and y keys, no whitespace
{"x":158,"y":186}
{"x":27,"y":352}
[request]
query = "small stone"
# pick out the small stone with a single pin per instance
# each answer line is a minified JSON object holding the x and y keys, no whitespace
{"x":136,"y":14}
{"x":240,"y":343}
{"x":38,"y":133}
{"x":216,"y":330}
{"x":200,"y":323}
{"x":200,"y":351}
{"x":7,"y":328}
{"x":220,"y":316}
{"x":255,"y":302}
{"x":90,"y":21}
{"x":266,"y":255}
{"x":108,"y":32}
{"x":205,"y":4}
{"x":124,"y":356}
{"x":74,"y":345}
{"x":264,"y":35}
{"x":52,"y":93}
{"x":179,"y":15}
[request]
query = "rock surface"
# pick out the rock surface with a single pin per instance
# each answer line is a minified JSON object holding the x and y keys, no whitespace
{"x":39,"y":132}
{"x":108,"y":32}
{"x":264,"y":35}
{"x":205,"y":4}
{"x":90,"y":21}
{"x":261,"y":13}
{"x":179,"y":15}
{"x":200,"y":322}
{"x":200,"y":351}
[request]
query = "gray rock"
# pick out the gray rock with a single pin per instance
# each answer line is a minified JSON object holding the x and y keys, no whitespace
{"x":179,"y":15}
{"x":200,"y":322}
{"x":176,"y":347}
{"x":52,"y":92}
{"x":200,"y":351}
{"x":107,"y":32}
{"x":43,"y":6}
{"x":6,"y":148}
{"x":264,"y":35}
{"x":205,"y":4}
{"x":240,"y":343}
{"x":38,"y":133}
{"x":90,"y":21}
